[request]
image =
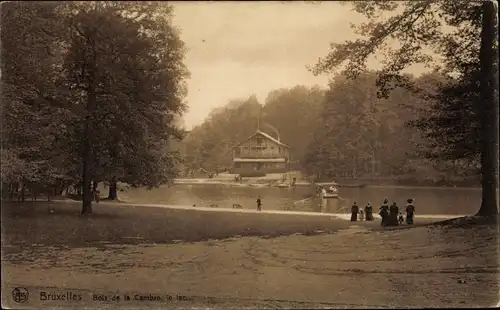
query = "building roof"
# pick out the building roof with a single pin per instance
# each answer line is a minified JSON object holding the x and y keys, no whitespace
{"x":265,"y":135}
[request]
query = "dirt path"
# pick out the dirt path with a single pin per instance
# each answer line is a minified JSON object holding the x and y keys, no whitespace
{"x":421,"y":218}
{"x":353,"y":268}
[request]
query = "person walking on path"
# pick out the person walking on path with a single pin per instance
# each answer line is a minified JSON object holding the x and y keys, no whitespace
{"x":384,"y":212}
{"x":322,"y":194}
{"x":354,"y":212}
{"x":259,"y":204}
{"x":369,"y":212}
{"x":393,"y":214}
{"x":410,"y":211}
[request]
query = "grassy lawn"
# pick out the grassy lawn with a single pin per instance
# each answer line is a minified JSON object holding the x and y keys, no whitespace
{"x":32,"y":223}
{"x":451,"y":264}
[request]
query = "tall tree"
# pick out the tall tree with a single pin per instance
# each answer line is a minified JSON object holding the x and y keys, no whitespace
{"x":209,"y":145}
{"x":489,"y":109}
{"x":448,"y":28}
{"x":119,"y":72}
{"x":296,"y":127}
{"x":36,"y":120}
{"x":362,"y":135}
{"x":125,"y":63}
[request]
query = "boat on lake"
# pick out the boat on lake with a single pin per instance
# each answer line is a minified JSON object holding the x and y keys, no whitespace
{"x":331,"y":189}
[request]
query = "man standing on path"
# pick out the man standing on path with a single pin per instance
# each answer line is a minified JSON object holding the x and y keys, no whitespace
{"x":322,"y":198}
{"x":259,"y":204}
{"x":410,"y":210}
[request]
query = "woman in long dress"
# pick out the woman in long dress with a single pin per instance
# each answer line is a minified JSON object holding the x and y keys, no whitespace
{"x":354,"y":212}
{"x":410,"y":211}
{"x":384,"y":212}
{"x":369,"y":212}
{"x":393,"y":214}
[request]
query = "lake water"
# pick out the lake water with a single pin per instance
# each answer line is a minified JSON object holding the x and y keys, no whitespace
{"x":447,"y":201}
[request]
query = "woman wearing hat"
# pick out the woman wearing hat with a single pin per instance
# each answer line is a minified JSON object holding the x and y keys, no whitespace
{"x":410,"y":211}
{"x":354,"y":212}
{"x":393,"y":214}
{"x":384,"y":212}
{"x":369,"y":212}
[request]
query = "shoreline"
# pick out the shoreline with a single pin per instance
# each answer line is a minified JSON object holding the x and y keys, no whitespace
{"x":340,"y":216}
{"x":181,"y":182}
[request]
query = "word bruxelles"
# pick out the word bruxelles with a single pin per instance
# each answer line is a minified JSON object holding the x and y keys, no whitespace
{"x":68,"y":296}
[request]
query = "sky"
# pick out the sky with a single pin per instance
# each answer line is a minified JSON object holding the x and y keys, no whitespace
{"x":237,"y":49}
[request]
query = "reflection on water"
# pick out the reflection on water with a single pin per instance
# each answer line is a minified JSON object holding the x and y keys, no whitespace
{"x":427,"y":200}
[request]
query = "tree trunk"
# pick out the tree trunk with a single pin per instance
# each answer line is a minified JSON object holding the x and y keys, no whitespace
{"x":113,"y":193}
{"x":87,"y":199}
{"x":23,"y":191}
{"x":90,"y":66}
{"x":78,"y":189}
{"x":94,"y":188}
{"x":11,"y":191}
{"x":489,"y":110}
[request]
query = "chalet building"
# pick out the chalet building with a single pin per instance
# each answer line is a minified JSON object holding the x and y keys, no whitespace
{"x":261,"y":152}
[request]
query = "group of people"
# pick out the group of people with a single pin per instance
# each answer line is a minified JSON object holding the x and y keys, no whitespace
{"x":390,"y":215}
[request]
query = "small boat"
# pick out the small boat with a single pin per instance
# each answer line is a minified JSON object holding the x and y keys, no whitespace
{"x":330,"y":187}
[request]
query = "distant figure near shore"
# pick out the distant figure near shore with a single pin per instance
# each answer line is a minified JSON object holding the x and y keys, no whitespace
{"x":361,"y":215}
{"x":410,"y":211}
{"x":369,"y":212}
{"x":393,"y":214}
{"x":401,"y":219}
{"x":259,"y":204}
{"x":354,"y":212}
{"x":322,"y":198}
{"x":384,"y":212}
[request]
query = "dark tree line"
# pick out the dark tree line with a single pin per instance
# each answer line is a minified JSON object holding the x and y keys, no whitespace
{"x":91,"y":92}
{"x":345,"y":131}
{"x":290,"y":113}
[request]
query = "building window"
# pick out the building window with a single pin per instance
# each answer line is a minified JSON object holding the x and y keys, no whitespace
{"x":259,"y":140}
{"x":237,"y":152}
{"x":237,"y":165}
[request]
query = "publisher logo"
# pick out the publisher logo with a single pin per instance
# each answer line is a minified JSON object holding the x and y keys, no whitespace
{"x":20,"y":294}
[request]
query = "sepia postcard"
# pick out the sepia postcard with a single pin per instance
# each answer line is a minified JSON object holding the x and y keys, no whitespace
{"x":249,"y":154}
